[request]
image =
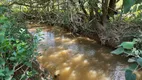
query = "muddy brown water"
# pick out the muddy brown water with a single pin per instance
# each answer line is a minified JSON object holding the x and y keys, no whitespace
{"x":78,"y":58}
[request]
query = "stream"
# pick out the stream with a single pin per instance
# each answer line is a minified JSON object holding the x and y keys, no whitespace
{"x":70,"y":57}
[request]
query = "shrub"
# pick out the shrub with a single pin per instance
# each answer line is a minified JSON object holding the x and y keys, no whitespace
{"x":17,"y":48}
{"x":133,"y":50}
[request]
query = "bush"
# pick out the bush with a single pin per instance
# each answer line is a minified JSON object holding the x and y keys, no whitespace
{"x":17,"y":48}
{"x":133,"y":50}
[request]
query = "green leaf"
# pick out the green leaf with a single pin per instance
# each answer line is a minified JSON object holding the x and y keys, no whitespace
{"x":133,"y":66}
{"x":129,"y":75}
{"x":132,"y":59}
{"x":2,"y":62}
{"x":1,"y":72}
{"x":13,"y":79}
{"x":8,"y":78}
{"x":127,"y":45}
{"x":127,"y":4}
{"x":2,"y":34}
{"x":3,"y":19}
{"x":34,"y":72}
{"x":23,"y":76}
{"x":129,"y":52}
{"x":135,"y":8}
{"x":140,"y":7}
{"x":138,"y":1}
{"x":3,"y":9}
{"x":21,"y":50}
{"x":139,"y":61}
{"x":10,"y":72}
{"x":118,"y":51}
{"x":29,"y":64}
{"x":12,"y":58}
{"x":1,"y":37}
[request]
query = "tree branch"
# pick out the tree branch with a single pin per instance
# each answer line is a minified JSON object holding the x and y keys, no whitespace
{"x":83,"y":8}
{"x":28,"y":5}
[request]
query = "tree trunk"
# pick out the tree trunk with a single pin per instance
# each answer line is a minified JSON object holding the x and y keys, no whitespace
{"x":111,"y":8}
{"x":104,"y":11}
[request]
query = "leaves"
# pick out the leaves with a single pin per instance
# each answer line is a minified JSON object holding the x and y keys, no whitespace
{"x":12,"y":58}
{"x":133,"y":66}
{"x":129,"y":75}
{"x":139,"y":61}
{"x":3,"y":19}
{"x":1,"y":37}
{"x":130,"y":50}
{"x":132,"y":60}
{"x":2,"y":34}
{"x":3,"y":9}
{"x":127,"y":5}
{"x":29,"y":64}
{"x":2,"y":72}
{"x":138,"y":1}
{"x":127,"y":45}
{"x":2,"y":61}
{"x":118,"y":51}
{"x":15,"y":49}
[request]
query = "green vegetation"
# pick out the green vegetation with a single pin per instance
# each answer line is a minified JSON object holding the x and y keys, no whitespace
{"x":112,"y":22}
{"x":133,"y":49}
{"x":17,"y":48}
{"x":134,"y":52}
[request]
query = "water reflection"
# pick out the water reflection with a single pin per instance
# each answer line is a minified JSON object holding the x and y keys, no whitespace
{"x":78,"y":58}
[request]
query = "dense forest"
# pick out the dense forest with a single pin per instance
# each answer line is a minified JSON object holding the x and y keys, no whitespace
{"x":113,"y":23}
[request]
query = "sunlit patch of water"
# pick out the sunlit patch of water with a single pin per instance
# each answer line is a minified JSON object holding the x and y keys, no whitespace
{"x":78,"y":58}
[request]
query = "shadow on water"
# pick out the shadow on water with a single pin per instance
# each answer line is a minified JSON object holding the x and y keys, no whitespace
{"x":78,"y":58}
